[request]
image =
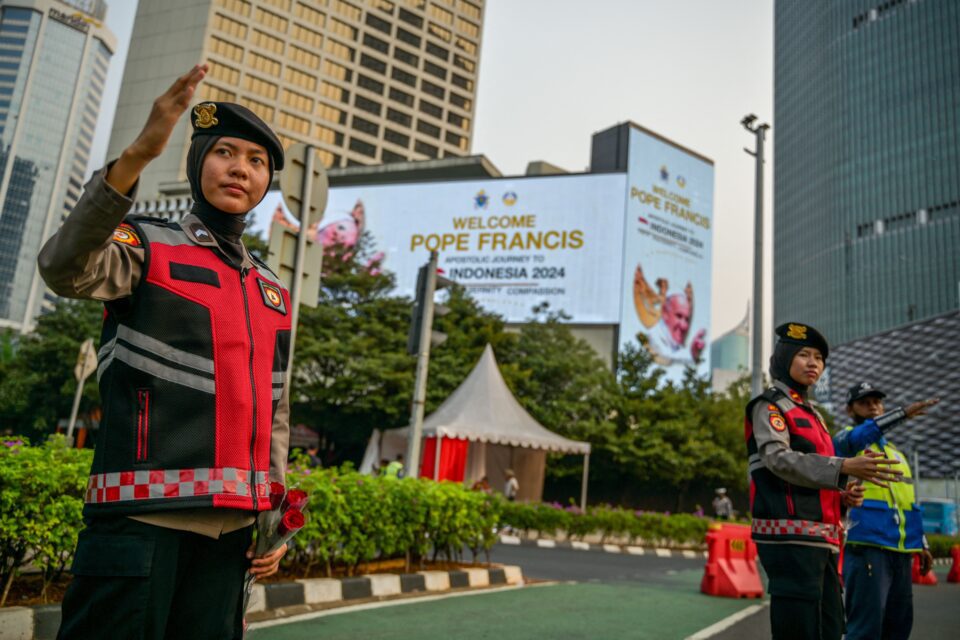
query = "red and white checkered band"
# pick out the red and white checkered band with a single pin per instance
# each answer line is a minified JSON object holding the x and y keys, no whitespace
{"x":807,"y":528}
{"x":124,"y":486}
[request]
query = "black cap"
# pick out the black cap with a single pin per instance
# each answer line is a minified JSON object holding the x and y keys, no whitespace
{"x":236,"y":121}
{"x":803,"y":335}
{"x":861,"y":391}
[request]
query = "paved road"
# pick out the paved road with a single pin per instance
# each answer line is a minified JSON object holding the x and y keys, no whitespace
{"x":596,"y":595}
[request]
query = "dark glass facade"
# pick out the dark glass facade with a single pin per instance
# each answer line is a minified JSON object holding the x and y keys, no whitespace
{"x":866,"y":163}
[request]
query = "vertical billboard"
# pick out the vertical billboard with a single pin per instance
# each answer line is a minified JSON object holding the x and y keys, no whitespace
{"x":667,"y":251}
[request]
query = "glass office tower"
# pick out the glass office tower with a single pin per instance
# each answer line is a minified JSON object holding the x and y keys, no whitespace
{"x":866,"y":163}
{"x":53,"y":65}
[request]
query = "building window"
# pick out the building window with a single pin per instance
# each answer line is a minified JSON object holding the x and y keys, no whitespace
{"x":237,"y":6}
{"x":390,"y":156}
{"x":338,"y":50}
{"x":440,"y":32}
{"x":368,"y":105}
{"x":370,"y":84}
{"x":374,"y":64}
{"x":401,"y":96}
{"x":457,"y":141}
{"x":294,"y":123}
{"x":300,"y":79}
{"x":363,"y":148}
{"x":342,"y":29}
{"x":271,"y":20}
{"x":426,"y":149}
{"x":216,"y":94}
{"x":465,"y":45}
{"x":405,"y":36}
{"x":333,"y":92}
{"x":264,"y":111}
{"x":458,"y":120}
{"x":378,"y":23}
{"x":399,"y":117}
{"x":384,"y":5}
{"x":432,"y":89}
{"x":230,"y":27}
{"x":429,"y":129}
{"x":309,"y":14}
{"x":307,"y":36}
{"x":336,"y":71}
{"x":267,"y":42}
{"x":411,"y":18}
{"x":431,"y":109}
{"x":298,"y":101}
{"x":469,"y":9}
{"x":263,"y":63}
{"x":442,"y":15}
{"x":460,"y":81}
{"x":405,"y":57}
{"x":460,"y":101}
{"x":397,"y":138}
{"x":375,"y":43}
{"x":283,"y":5}
{"x":468,"y":28}
{"x":225,"y":49}
{"x":346,"y":9}
{"x":304,"y":57}
{"x":365,"y":126}
{"x":328,"y":135}
{"x":223,"y":73}
{"x":437,"y":51}
{"x":331,"y":114}
{"x":403,"y":76}
{"x":464,"y":63}
{"x":260,"y":87}
{"x":435,"y":70}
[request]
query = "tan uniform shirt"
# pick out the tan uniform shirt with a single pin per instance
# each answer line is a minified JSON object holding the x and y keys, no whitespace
{"x":81,"y":261}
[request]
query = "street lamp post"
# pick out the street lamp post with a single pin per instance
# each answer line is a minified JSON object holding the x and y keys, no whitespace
{"x":759,"y":131}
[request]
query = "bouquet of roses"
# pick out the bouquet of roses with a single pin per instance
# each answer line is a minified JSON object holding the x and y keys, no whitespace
{"x":275,"y":527}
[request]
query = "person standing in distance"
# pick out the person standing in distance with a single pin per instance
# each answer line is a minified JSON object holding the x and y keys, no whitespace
{"x":193,"y":358}
{"x":886,"y":530}
{"x":795,"y":493}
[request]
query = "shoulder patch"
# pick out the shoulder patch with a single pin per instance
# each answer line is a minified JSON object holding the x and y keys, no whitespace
{"x":777,"y":422}
{"x":126,"y":234}
{"x":272,"y":296}
{"x":773,"y":408}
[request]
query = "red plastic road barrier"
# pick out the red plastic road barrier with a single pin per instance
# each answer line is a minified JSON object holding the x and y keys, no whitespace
{"x":930,"y":578}
{"x":731,"y":570}
{"x":954,"y":575}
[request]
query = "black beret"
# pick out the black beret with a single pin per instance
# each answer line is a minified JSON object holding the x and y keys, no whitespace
{"x":803,"y":335}
{"x":236,"y":121}
{"x":863,"y":390}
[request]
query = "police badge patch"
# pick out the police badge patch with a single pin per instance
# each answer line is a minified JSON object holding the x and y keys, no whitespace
{"x":777,"y":422}
{"x":272,"y":296}
{"x":126,"y":234}
{"x":205,"y":117}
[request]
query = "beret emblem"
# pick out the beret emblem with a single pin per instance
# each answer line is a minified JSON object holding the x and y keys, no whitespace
{"x":205,"y":117}
{"x":797,"y":332}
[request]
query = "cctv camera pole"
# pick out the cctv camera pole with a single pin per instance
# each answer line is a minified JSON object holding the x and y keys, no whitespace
{"x":759,"y":132}
{"x":423,"y":362}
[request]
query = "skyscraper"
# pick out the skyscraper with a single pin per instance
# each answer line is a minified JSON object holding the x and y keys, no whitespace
{"x":366,"y":81}
{"x":866,"y":163}
{"x":53,"y":65}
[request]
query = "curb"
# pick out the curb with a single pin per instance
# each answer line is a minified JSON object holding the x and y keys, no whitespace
{"x":604,"y":548}
{"x":279,"y":599}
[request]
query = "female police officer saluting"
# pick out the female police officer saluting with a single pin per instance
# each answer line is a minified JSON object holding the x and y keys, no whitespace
{"x":795,"y":482}
{"x":193,"y":355}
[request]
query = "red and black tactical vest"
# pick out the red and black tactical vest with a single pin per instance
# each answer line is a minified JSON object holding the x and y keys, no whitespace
{"x":783,"y":511}
{"x":192,"y":368}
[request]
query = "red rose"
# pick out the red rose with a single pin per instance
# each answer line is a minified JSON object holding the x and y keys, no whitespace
{"x":276,"y":494}
{"x":296,"y":499}
{"x":291,"y":521}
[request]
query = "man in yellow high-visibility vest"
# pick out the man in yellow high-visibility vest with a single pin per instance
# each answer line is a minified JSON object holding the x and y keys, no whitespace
{"x":886,"y":531}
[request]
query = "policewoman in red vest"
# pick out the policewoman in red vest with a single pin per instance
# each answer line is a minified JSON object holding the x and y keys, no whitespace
{"x":795,"y":491}
{"x":192,"y":368}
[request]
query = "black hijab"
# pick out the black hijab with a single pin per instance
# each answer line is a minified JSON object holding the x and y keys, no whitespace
{"x":780,"y":361}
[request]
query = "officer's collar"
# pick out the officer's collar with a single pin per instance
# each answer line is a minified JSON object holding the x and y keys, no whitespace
{"x":790,"y":392}
{"x":199,"y":234}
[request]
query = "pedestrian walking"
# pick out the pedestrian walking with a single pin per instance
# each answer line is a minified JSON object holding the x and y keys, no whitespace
{"x":722,"y":506}
{"x":886,"y":531}
{"x":193,"y":358}
{"x":512,"y":486}
{"x":796,"y":482}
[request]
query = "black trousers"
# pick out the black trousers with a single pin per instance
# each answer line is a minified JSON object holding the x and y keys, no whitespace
{"x":806,"y":601}
{"x":133,"y":580}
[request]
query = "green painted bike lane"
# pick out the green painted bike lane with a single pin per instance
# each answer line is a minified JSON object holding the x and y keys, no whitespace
{"x":672,"y":608}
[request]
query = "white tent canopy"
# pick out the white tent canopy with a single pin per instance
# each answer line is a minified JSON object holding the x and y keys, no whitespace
{"x":482,"y":409}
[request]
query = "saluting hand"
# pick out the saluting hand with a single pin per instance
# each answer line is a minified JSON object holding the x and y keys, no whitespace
{"x":920,"y":408}
{"x":166,"y":111}
{"x":872,"y":467}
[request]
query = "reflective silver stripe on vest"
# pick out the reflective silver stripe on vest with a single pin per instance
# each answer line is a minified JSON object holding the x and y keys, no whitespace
{"x":754,"y":462}
{"x":279,"y":377}
{"x":105,"y":357}
{"x":787,"y":527}
{"x":162,"y":371}
{"x":126,"y":486}
{"x":164,"y":350}
{"x":165,"y":235}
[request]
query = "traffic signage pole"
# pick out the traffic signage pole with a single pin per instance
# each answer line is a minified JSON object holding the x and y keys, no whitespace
{"x":423,"y":362}
{"x":86,"y":365}
{"x":297,"y":284}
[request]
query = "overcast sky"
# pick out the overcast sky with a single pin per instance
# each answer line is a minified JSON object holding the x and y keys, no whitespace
{"x":553,"y":72}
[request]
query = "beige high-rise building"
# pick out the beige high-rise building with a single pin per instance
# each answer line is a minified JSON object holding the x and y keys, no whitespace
{"x":367,"y":81}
